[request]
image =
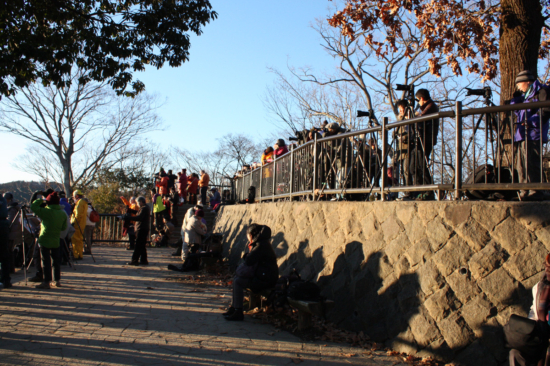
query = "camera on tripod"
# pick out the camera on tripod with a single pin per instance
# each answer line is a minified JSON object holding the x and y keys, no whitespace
{"x":486,"y":92}
{"x":403,"y":87}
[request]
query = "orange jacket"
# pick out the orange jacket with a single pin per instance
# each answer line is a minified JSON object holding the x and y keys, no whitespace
{"x":163,"y":186}
{"x":205,"y":179}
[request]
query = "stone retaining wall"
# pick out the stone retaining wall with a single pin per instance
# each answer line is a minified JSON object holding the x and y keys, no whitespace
{"x":427,"y":278}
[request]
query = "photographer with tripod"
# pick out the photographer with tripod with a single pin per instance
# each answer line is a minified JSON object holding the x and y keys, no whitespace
{"x":54,"y":221}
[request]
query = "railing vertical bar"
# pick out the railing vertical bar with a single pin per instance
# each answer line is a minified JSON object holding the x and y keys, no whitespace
{"x":314,"y":185}
{"x":458,"y":150}
{"x":291,"y":172}
{"x":384,"y":165}
{"x":274,"y":183}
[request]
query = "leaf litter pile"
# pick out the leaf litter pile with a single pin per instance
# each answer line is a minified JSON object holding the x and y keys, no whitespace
{"x":287,"y":320}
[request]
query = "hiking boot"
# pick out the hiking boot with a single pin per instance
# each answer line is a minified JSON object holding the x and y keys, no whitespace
{"x":236,"y":316}
{"x":36,"y":278}
{"x":133,"y":263}
{"x":57,"y":283}
{"x":44,"y":285}
{"x":229,"y":311}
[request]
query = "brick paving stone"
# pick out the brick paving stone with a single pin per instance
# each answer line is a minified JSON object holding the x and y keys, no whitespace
{"x":107,"y":313}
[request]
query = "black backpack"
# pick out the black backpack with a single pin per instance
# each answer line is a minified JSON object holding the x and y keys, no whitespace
{"x":251,"y":194}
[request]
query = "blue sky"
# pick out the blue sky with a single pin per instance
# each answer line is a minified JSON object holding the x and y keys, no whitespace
{"x":220,"y":90}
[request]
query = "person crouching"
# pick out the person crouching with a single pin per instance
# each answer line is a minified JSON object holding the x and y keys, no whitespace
{"x":259,"y":270}
{"x":54,"y":221}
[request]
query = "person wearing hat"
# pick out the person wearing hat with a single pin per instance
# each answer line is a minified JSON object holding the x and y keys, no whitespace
{"x":78,"y":220}
{"x":280,"y":148}
{"x":527,"y":137}
{"x":53,"y":222}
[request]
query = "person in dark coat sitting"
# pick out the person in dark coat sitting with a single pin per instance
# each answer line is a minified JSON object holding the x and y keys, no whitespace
{"x":259,"y":270}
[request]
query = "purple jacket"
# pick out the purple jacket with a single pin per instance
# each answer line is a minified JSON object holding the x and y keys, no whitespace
{"x":66,"y":206}
{"x":532,"y":118}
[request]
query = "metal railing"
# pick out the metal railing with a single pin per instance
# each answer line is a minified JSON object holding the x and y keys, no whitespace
{"x":353,"y":164}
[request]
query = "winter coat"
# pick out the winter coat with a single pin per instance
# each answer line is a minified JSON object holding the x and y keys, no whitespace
{"x":216,"y":198}
{"x":263,"y":257}
{"x":426,"y":132}
{"x":193,"y":230}
{"x":182,"y":185}
{"x":204,"y":181}
{"x":193,"y":184}
{"x":163,"y":185}
{"x":54,"y":221}
{"x":267,"y":158}
{"x":141,"y":220}
{"x":66,"y":206}
{"x":537,"y":93}
{"x":171,"y":180}
{"x":158,"y":205}
{"x":79,"y":216}
{"x":280,"y":151}
{"x":15,"y":232}
{"x":3,"y":213}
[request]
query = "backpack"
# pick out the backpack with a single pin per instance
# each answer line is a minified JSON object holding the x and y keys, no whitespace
{"x":526,"y":335}
{"x":491,"y":173}
{"x":94,"y":216}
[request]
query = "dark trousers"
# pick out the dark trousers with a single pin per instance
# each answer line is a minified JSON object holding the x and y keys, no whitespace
{"x":140,"y":251}
{"x":528,"y":166}
{"x":517,"y":358}
{"x":203,"y":195}
{"x":239,"y":284}
{"x":4,"y":251}
{"x":47,"y":255}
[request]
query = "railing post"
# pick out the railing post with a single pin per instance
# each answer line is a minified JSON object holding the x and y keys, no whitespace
{"x":242,"y":186}
{"x":291,"y":171}
{"x":314,"y":166}
{"x":384,"y":160}
{"x":274,"y":177}
{"x":458,"y":150}
{"x":261,"y":179}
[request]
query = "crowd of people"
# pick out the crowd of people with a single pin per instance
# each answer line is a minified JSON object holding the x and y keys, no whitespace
{"x":356,"y":162}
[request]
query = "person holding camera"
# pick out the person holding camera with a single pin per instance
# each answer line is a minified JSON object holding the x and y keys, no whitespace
{"x":527,"y":136}
{"x":141,"y":226}
{"x":422,"y":140}
{"x":54,"y":221}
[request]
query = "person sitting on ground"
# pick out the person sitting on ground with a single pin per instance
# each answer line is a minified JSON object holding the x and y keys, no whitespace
{"x":539,"y":312}
{"x":259,"y":270}
{"x":267,"y":156}
{"x":216,"y":198}
{"x":195,"y":229}
{"x":280,"y":148}
{"x":54,"y":221}
{"x":184,"y":248}
{"x":141,"y":225}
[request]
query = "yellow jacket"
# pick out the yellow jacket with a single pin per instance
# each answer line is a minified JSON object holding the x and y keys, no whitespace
{"x":79,"y":215}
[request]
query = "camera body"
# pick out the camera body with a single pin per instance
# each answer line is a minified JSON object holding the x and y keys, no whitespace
{"x":404,"y":87}
{"x":486,"y":92}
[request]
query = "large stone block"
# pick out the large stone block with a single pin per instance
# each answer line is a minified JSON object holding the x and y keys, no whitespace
{"x":527,"y":262}
{"x":441,"y":304}
{"x":406,"y":212}
{"x":489,"y":215}
{"x":532,"y":216}
{"x":543,"y":235}
{"x":474,"y":234}
{"x":397,"y":247}
{"x":438,"y":233}
{"x":485,"y":261}
{"x":453,"y":255}
{"x":455,"y":331}
{"x":457,"y":213}
{"x":462,"y":285}
{"x":391,"y":228}
{"x":369,"y":225}
{"x":512,"y":236}
{"x":477,"y":311}
{"x":423,"y":328}
{"x":499,"y":287}
{"x":416,"y":229}
{"x":427,"y":211}
{"x":419,"y":252}
{"x":429,"y":278}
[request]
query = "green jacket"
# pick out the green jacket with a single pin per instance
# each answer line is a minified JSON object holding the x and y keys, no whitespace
{"x":54,"y":221}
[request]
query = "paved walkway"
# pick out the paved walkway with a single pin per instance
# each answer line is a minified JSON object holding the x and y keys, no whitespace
{"x":107,"y":313}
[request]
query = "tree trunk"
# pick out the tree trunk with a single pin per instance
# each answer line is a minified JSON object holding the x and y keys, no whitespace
{"x":66,"y":176}
{"x":520,"y":33}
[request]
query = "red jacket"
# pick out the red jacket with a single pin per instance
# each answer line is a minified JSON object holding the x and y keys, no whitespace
{"x":182,"y":185}
{"x":193,"y":185}
{"x":163,"y":185}
{"x":281,"y":151}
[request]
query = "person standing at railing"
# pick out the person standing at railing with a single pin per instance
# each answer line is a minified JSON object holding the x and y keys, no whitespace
{"x":78,"y":219}
{"x":142,"y":230}
{"x":280,"y":148}
{"x":267,"y":156}
{"x":401,"y":156}
{"x":182,"y":186}
{"x":529,"y":122}
{"x":203,"y":186}
{"x":162,"y":184}
{"x":423,"y":138}
{"x":336,"y":150}
{"x":193,"y":185}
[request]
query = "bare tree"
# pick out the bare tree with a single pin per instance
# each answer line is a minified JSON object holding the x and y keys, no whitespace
{"x":78,"y":129}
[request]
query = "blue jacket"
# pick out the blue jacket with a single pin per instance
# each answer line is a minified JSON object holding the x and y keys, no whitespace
{"x":531,"y":117}
{"x":66,"y":206}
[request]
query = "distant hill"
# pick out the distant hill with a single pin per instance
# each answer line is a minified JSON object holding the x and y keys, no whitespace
{"x":22,"y":191}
